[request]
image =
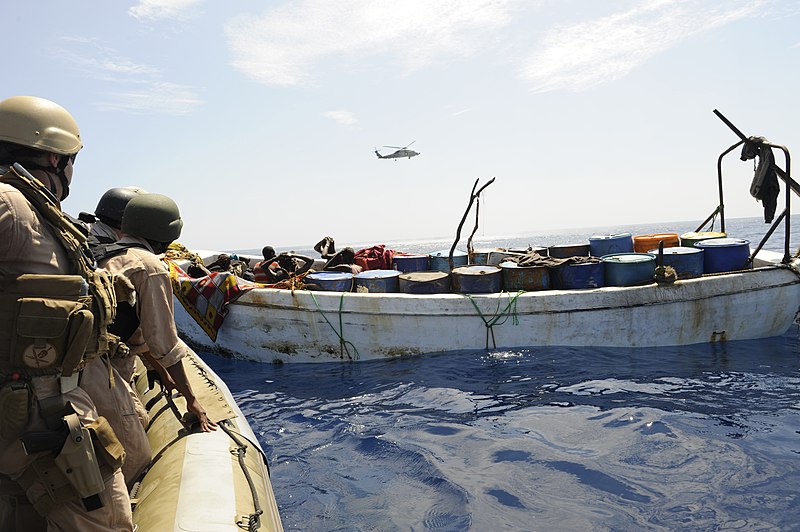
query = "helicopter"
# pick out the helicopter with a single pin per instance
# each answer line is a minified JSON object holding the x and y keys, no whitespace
{"x":401,"y":152}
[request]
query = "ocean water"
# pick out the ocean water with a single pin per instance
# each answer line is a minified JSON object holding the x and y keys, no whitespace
{"x":703,"y":437}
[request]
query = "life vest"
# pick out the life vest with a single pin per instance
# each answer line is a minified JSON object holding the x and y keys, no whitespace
{"x":58,"y":322}
{"x":265,"y":271}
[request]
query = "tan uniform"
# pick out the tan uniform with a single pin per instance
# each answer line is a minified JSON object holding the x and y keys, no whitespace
{"x":101,"y":380}
{"x":154,"y":302}
{"x":28,"y":246}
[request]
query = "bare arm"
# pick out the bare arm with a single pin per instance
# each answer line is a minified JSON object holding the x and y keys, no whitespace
{"x":178,"y":374}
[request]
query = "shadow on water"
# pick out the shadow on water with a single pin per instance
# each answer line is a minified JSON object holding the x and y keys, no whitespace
{"x":693,"y":438}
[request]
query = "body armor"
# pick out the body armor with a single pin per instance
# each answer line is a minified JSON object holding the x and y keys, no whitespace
{"x":59,"y":322}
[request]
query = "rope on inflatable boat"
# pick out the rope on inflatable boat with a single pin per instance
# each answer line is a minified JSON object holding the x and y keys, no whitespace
{"x":343,"y":344}
{"x":509,"y":311}
{"x":254,"y":519}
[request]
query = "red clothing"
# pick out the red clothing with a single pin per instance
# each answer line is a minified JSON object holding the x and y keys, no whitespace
{"x":260,"y":273}
{"x":375,"y":258}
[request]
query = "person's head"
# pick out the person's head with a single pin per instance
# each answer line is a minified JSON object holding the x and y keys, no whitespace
{"x":286,"y":262}
{"x":267,"y":252}
{"x":112,"y":205}
{"x":153,"y":217}
{"x":43,"y":137}
{"x":348,"y":256}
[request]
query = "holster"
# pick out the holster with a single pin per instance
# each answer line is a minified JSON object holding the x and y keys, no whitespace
{"x":80,"y":458}
{"x":14,"y":409}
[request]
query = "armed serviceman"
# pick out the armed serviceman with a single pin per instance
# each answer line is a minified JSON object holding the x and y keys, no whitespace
{"x":55,"y":308}
{"x":151,"y":222}
{"x":112,"y":377}
{"x":105,"y":225}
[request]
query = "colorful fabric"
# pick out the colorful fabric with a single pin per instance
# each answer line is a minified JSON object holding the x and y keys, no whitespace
{"x":206,"y":299}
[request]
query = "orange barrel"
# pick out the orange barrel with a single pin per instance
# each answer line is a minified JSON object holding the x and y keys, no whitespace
{"x":644,"y":243}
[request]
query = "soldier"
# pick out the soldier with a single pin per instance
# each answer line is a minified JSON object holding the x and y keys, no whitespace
{"x":151,"y":222}
{"x":112,"y":377}
{"x":106,"y":222}
{"x":55,"y":309}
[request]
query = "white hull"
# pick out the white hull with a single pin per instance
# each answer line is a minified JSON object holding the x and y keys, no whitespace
{"x":271,"y":325}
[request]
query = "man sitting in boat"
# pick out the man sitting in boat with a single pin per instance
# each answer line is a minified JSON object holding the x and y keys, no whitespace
{"x":232,"y":264}
{"x":343,"y":261}
{"x":274,"y":268}
{"x":326,"y":248}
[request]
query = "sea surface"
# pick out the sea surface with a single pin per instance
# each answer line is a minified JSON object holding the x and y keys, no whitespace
{"x":703,"y":437}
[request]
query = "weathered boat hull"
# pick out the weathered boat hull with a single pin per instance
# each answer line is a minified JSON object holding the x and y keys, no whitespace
{"x":271,"y":325}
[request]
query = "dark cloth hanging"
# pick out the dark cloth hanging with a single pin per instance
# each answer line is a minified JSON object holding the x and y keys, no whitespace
{"x":765,"y":186}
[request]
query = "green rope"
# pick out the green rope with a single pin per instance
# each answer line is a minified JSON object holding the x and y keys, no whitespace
{"x":342,"y":342}
{"x":509,"y":311}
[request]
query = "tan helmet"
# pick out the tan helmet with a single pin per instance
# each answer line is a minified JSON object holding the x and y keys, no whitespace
{"x":38,"y":123}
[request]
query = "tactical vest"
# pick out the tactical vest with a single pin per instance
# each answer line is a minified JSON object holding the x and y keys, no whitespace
{"x":127,"y":319}
{"x":58,"y":322}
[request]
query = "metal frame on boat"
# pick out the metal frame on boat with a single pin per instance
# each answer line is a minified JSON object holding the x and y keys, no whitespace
{"x":273,"y":325}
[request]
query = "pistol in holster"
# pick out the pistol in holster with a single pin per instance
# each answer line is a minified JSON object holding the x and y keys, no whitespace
{"x":76,"y":458}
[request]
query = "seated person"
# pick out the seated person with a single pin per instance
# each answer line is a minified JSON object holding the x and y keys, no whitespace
{"x":231,"y":263}
{"x":343,"y":261}
{"x":326,"y":248}
{"x":278,"y":268}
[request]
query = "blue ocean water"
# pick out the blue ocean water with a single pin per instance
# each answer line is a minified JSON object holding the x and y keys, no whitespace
{"x":703,"y":437}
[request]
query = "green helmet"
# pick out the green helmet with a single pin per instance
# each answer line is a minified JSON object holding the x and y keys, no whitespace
{"x":40,"y":124}
{"x":152,"y":216}
{"x":112,"y":204}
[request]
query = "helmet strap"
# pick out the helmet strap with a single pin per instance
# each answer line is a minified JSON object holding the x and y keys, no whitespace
{"x":63,"y":161}
{"x":159,"y":248}
{"x":58,"y":171}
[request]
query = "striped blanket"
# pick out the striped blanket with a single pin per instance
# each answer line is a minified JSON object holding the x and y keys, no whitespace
{"x":206,"y":298}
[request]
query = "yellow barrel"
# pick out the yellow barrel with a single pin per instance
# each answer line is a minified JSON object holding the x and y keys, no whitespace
{"x":688,"y":239}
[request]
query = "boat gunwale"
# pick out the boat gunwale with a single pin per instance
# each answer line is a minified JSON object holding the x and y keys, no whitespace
{"x":336,"y":297}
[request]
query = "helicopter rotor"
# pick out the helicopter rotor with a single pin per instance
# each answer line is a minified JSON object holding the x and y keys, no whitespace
{"x":401,"y":147}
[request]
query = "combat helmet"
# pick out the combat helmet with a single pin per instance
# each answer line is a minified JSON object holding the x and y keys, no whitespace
{"x":112,"y":204}
{"x":40,"y":124}
{"x":154,"y":217}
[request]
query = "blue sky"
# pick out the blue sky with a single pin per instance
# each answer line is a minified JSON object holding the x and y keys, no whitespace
{"x":260,"y":117}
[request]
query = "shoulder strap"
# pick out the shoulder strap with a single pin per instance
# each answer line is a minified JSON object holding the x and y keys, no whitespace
{"x":107,"y":251}
{"x":71,"y":237}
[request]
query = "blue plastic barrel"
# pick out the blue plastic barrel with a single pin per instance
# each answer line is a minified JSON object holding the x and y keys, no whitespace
{"x":725,"y":254}
{"x":330,"y":281}
{"x":410,"y":263}
{"x":687,"y":262}
{"x":439,"y":260}
{"x":600,"y":245}
{"x":629,"y":269}
{"x":377,"y":281}
{"x":583,"y":275}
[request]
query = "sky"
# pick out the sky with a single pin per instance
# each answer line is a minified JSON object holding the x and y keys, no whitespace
{"x":260,"y":118}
